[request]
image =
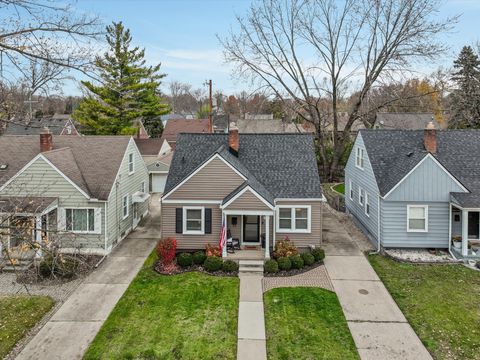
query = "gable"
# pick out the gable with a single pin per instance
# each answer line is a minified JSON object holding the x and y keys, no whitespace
{"x":428,"y":181}
{"x":214,"y":181}
{"x":247,"y":200}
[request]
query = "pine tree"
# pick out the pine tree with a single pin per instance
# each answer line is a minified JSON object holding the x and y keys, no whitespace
{"x":466,"y":96}
{"x":128,"y":90}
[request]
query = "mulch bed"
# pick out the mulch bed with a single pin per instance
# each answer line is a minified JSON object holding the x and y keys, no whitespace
{"x":175,"y":270}
{"x":293,"y":272}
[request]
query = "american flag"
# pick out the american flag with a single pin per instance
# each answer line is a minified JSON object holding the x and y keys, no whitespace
{"x":223,"y":234}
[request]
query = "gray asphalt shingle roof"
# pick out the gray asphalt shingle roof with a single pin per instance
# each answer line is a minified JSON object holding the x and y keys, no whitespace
{"x":405,"y":121}
{"x":393,"y":153}
{"x":275,"y":165}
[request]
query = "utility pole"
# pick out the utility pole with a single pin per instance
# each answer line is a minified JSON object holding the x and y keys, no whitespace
{"x":210,"y":114}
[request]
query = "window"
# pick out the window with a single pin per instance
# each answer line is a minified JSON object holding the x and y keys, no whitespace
{"x":125,"y":206}
{"x":80,"y":220}
{"x":294,"y":219}
{"x":351,"y":190}
{"x":131,"y":164}
{"x":193,"y":220}
{"x":359,"y":157}
{"x":367,"y":204}
{"x":417,"y":218}
{"x":361,"y":195}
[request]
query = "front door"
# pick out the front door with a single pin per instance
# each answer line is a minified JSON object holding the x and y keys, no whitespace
{"x":251,"y":229}
{"x":473,"y":225}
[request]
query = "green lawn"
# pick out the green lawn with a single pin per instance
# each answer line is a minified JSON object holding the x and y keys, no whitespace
{"x":18,"y":314}
{"x":306,"y":323}
{"x":441,"y":302}
{"x":340,"y":188}
{"x":187,"y":316}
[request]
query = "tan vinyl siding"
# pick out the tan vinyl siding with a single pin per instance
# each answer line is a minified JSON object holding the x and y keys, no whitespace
{"x":305,"y":239}
{"x":190,"y":242}
{"x":248,"y":201}
{"x":213,"y":182}
{"x":40,"y":179}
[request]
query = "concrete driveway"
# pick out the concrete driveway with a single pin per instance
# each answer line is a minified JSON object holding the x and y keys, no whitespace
{"x":378,"y":327}
{"x":69,"y":332}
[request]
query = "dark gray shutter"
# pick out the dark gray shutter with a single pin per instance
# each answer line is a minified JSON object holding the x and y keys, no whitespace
{"x":179,"y":220}
{"x":208,"y":221}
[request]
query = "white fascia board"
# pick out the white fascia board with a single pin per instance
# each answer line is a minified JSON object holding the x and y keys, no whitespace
{"x":300,"y":199}
{"x":190,"y":201}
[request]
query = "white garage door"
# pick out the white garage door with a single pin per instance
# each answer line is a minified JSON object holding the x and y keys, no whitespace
{"x":158,"y":182}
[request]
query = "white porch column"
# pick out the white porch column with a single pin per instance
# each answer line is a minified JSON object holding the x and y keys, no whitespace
{"x":38,"y":233}
{"x":464,"y":232}
{"x":224,"y":222}
{"x":267,"y":236}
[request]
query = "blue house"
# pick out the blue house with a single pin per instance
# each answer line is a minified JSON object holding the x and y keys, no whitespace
{"x":417,"y":188}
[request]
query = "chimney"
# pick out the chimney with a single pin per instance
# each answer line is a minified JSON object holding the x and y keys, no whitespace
{"x":233,"y":138}
{"x":430,"y":138}
{"x":46,"y":140}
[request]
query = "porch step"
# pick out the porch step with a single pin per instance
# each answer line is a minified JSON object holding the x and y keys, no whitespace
{"x":255,"y":266}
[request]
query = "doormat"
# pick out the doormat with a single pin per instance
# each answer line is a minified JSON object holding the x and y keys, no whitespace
{"x":247,"y":247}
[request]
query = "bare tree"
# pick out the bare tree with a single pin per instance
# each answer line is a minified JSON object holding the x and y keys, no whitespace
{"x":184,"y":99}
{"x":309,"y":51}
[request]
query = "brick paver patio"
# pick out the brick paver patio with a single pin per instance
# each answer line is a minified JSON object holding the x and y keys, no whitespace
{"x":317,"y":277}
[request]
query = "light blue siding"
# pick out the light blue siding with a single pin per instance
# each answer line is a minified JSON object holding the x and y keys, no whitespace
{"x":366,"y":180}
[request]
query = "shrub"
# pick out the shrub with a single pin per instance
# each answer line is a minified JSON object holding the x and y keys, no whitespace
{"x":184,"y":260}
{"x":213,"y":263}
{"x":229,"y":266}
{"x":318,"y":254}
{"x":61,"y":265}
{"x":308,"y":259}
{"x":166,"y":249}
{"x":284,"y":263}
{"x":271,"y":266}
{"x":478,"y":265}
{"x":297,"y":262}
{"x":199,"y":257}
{"x":213,"y":250}
{"x":284,"y":248}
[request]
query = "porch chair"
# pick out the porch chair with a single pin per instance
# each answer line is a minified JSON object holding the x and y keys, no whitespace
{"x":232,"y":244}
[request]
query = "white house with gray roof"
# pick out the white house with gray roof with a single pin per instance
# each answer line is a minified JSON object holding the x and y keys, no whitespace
{"x":417,"y":188}
{"x":86,"y":191}
{"x":258,"y":187}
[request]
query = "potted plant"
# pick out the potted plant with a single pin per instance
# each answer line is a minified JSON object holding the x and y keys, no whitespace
{"x":457,"y":242}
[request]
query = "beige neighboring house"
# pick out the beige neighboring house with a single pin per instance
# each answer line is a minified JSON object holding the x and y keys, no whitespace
{"x":87,"y":191}
{"x":262,"y":187}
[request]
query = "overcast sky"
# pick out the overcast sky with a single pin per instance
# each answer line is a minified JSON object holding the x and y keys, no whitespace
{"x":181,"y":34}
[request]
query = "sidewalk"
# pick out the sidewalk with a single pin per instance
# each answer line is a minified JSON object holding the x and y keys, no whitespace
{"x":378,"y":327}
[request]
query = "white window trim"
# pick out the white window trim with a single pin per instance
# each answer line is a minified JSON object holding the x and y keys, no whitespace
{"x":132,"y":163}
{"x":293,"y":229}
{"x":143,"y":186}
{"x":79,"y":231}
{"x":184,"y":220}
{"x":425,"y":207}
{"x":360,"y":155}
{"x":360,"y":191}
{"x":367,"y":201}
{"x":351,"y":190}
{"x":123,"y":207}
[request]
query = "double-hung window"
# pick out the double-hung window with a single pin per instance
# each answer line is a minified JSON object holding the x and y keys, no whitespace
{"x":351,"y":189}
{"x":131,"y":164}
{"x":294,"y":219}
{"x":80,"y":220}
{"x":193,"y":220}
{"x":367,"y":204}
{"x":361,"y":196}
{"x":125,"y":209}
{"x":359,"y":157}
{"x":417,"y":218}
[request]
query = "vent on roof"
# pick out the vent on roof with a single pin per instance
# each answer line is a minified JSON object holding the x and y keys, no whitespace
{"x":410,"y":153}
{"x":3,"y":166}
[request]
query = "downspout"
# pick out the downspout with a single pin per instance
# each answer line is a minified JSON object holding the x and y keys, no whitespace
{"x":450,"y":231}
{"x":105,"y":237}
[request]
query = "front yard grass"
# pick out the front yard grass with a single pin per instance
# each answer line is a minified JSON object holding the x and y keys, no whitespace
{"x":306,"y":323}
{"x":18,"y":314}
{"x":441,"y":302}
{"x":186,"y":316}
{"x":340,"y":188}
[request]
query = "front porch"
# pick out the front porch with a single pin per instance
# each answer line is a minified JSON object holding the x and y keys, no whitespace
{"x":464,"y":232}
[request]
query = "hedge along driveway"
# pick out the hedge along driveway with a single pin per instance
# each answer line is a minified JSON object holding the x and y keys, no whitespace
{"x":186,"y":316}
{"x":306,"y":323}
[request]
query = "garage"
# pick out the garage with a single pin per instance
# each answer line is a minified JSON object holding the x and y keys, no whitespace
{"x":157,"y":182}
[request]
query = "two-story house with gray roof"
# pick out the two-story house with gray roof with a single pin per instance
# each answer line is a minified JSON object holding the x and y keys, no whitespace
{"x":87,"y":191}
{"x":417,"y":188}
{"x":255,"y":188}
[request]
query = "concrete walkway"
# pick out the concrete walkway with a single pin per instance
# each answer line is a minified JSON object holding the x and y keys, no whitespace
{"x":251,"y":321}
{"x":378,"y":327}
{"x":69,"y":332}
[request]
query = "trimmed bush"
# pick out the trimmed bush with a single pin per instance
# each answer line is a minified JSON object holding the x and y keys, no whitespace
{"x":284,"y":248}
{"x":297,"y":262}
{"x":284,"y":263}
{"x":308,"y":259}
{"x":213,"y":263}
{"x":184,"y":260}
{"x":318,"y":254}
{"x":229,"y":266}
{"x":271,"y":266}
{"x":199,"y":258}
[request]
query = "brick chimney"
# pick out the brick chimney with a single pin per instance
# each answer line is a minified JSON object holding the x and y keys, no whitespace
{"x":430,"y":138}
{"x":46,"y":140}
{"x":233,"y":139}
